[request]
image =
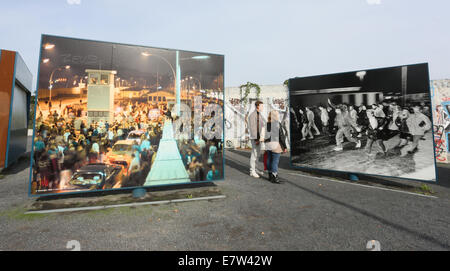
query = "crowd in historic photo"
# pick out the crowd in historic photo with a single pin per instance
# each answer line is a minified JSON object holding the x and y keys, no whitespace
{"x":376,"y":123}
{"x":368,"y":122}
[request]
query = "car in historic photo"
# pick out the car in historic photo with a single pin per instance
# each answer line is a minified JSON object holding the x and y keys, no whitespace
{"x":120,"y":154}
{"x":136,"y":135}
{"x":95,"y":177}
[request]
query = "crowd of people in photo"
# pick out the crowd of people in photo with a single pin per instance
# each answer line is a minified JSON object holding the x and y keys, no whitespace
{"x":65,"y":142}
{"x":376,"y":123}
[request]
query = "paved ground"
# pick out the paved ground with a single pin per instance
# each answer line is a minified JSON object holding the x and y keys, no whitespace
{"x":304,"y":213}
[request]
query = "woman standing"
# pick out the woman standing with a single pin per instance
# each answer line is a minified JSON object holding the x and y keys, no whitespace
{"x":275,"y":145}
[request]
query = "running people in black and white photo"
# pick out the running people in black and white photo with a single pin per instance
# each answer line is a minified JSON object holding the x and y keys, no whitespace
{"x":375,"y":123}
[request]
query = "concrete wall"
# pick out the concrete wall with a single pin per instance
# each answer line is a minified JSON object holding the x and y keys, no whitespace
{"x":274,"y":97}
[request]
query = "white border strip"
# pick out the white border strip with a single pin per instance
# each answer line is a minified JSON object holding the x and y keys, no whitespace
{"x":368,"y":186}
{"x":123,"y":205}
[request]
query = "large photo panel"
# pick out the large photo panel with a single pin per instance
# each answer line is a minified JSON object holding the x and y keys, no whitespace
{"x":116,"y":116}
{"x":375,"y":122}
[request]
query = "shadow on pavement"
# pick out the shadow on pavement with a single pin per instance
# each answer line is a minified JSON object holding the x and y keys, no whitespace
{"x":443,"y":173}
{"x":244,"y":169}
{"x":372,"y":216}
{"x":21,"y":164}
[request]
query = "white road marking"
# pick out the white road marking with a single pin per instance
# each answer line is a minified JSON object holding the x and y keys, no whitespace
{"x":368,"y":186}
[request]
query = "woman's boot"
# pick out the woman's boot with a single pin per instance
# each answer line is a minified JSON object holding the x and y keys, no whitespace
{"x":270,"y":177}
{"x":275,"y":178}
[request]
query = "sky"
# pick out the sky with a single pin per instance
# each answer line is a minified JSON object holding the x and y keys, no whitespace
{"x":264,"y":42}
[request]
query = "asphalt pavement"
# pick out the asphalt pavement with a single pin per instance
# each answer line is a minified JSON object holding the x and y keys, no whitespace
{"x":306,"y":212}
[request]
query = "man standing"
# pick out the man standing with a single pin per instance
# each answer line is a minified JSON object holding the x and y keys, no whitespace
{"x":256,"y":125}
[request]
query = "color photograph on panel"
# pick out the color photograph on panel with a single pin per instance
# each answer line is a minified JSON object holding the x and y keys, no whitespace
{"x":112,"y":116}
{"x":375,"y":122}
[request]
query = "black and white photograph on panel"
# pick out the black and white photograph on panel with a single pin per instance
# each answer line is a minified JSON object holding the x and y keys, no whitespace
{"x":375,"y":122}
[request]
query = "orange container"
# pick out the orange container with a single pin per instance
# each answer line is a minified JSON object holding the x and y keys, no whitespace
{"x":15,"y":94}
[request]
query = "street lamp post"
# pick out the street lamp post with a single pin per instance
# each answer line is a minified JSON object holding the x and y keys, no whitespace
{"x":177,"y":83}
{"x":187,"y":81}
{"x":164,"y":59}
{"x":177,"y":73}
{"x":201,"y":57}
{"x":50,"y":81}
{"x":198,"y":80}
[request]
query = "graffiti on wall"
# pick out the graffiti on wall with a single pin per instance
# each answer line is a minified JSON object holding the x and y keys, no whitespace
{"x":440,"y":140}
{"x":441,"y":119}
